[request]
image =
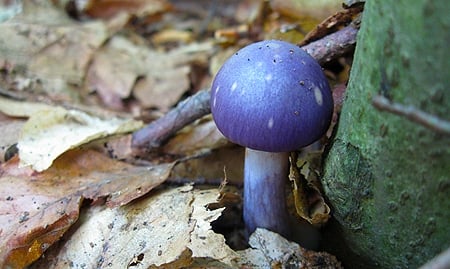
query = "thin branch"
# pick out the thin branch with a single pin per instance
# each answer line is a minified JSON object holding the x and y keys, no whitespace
{"x":187,"y":111}
{"x":333,"y":45}
{"x":413,"y":114}
{"x":196,"y":106}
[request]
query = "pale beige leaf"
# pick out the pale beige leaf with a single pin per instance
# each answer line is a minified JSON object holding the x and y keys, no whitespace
{"x":52,"y":130}
{"x":271,"y":250}
{"x":21,"y":109}
{"x":166,"y":229}
{"x":205,"y":243}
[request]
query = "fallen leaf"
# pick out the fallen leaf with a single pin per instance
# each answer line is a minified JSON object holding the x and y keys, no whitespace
{"x":46,"y":46}
{"x":270,"y":250}
{"x":167,"y":229}
{"x":196,"y":138}
{"x":308,"y":200}
{"x":172,"y":35}
{"x":109,"y":8}
{"x":210,"y":168}
{"x":37,"y":144}
{"x":157,"y":79}
{"x":37,"y":208}
{"x":205,"y":243}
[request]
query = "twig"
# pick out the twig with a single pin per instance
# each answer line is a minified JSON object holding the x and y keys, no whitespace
{"x":187,"y":111}
{"x":413,"y":114}
{"x":441,"y":261}
{"x":196,"y":106}
{"x":333,"y":45}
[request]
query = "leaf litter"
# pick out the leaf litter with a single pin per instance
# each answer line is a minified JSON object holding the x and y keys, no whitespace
{"x":71,"y":201}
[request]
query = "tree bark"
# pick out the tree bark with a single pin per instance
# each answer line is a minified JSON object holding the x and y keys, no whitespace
{"x":386,"y":176}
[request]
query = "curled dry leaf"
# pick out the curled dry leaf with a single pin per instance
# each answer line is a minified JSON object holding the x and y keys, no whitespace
{"x":37,"y":208}
{"x":308,"y":200}
{"x":167,"y":229}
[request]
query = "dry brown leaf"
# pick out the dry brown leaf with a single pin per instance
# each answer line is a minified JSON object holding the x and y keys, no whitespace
{"x":37,"y":208}
{"x":163,"y":89}
{"x":165,"y":230}
{"x":45,"y":45}
{"x":109,"y":8}
{"x":211,"y":168}
{"x":159,"y":79}
{"x":196,"y":138}
{"x":308,"y":200}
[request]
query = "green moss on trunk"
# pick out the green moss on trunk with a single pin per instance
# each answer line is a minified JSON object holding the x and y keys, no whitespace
{"x":388,"y":179}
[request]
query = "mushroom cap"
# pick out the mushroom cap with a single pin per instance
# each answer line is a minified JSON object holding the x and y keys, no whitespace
{"x":271,"y":96}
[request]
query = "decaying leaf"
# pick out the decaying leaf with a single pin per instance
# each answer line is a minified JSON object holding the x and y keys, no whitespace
{"x":205,"y":243}
{"x":44,"y":44}
{"x":38,"y":145}
{"x":167,"y":229}
{"x":196,"y":138}
{"x":37,"y":208}
{"x":308,"y":200}
{"x":108,"y":8}
{"x":270,"y":250}
{"x":157,"y":79}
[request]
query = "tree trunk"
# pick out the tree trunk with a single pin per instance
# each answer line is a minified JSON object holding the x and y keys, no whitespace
{"x":387,"y":177}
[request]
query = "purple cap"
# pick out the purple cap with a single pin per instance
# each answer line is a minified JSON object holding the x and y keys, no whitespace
{"x":271,"y":96}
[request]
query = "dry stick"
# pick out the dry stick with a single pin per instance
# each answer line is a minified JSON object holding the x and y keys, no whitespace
{"x":413,"y":114}
{"x":196,"y":106}
{"x":187,"y":111}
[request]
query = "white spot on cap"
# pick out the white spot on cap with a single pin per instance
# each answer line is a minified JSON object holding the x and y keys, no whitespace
{"x":234,"y":86}
{"x":268,"y":77}
{"x":215,"y":95}
{"x":318,"y":96}
{"x":270,"y":123}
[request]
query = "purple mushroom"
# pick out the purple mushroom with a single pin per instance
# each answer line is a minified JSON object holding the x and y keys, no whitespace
{"x":272,"y":98}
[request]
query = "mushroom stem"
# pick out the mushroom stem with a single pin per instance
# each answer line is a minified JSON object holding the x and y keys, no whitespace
{"x":265,"y":175}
